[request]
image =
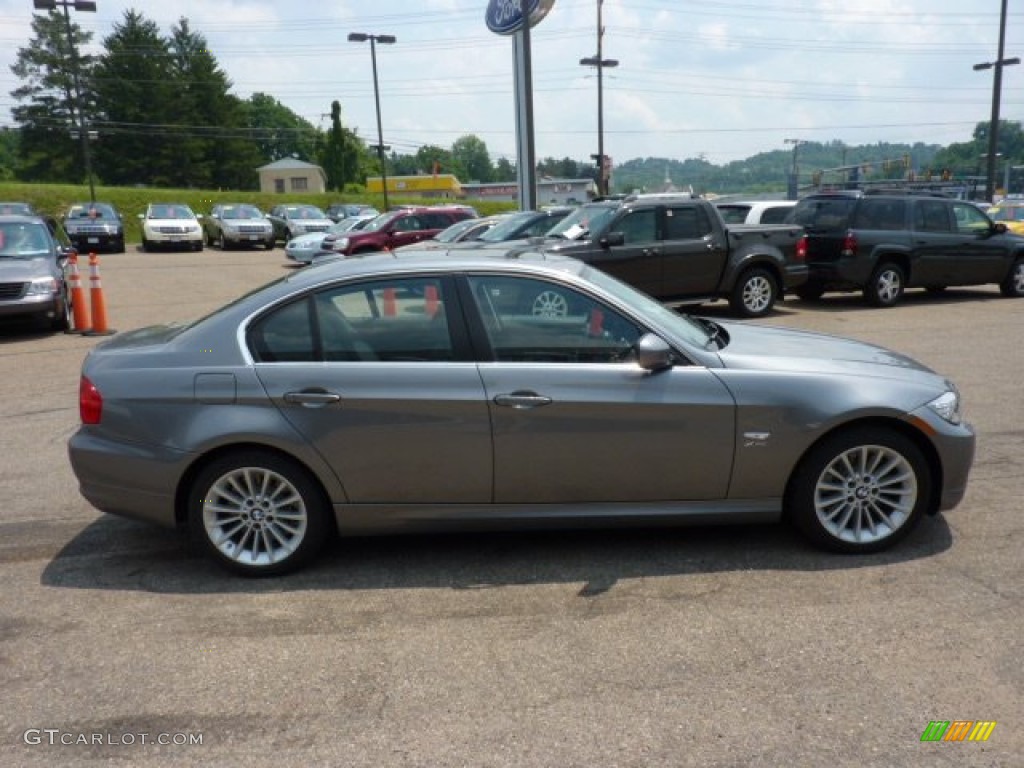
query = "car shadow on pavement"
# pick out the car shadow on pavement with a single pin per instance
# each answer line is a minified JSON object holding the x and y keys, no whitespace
{"x":122,"y":555}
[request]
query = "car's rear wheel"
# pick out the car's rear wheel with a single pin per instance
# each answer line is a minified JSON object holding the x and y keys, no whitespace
{"x":258,"y":513}
{"x":1013,"y":285}
{"x":886,"y":285}
{"x":754,"y":294}
{"x":861,"y":490}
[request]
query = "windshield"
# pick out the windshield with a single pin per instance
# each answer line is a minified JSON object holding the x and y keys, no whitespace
{"x":683,"y":326}
{"x":583,"y":221}
{"x":305,"y":212}
{"x":170,"y":212}
{"x":456,"y":230}
{"x":240,"y":212}
{"x":23,"y":240}
{"x":91,"y":211}
{"x":377,"y":224}
{"x":508,"y":227}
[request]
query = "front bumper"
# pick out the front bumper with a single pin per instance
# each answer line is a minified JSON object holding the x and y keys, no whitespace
{"x":50,"y":305}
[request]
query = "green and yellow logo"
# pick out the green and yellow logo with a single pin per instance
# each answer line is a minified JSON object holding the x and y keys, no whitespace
{"x":958,"y":730}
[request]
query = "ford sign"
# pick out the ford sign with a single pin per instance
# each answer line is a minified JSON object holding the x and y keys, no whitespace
{"x":506,"y":16}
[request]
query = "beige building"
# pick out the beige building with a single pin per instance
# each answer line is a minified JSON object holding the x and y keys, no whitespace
{"x":290,"y":175}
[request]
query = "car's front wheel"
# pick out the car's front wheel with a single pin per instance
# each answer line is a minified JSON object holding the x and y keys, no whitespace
{"x":754,"y":294}
{"x":1013,"y":285}
{"x":885,"y":287}
{"x":861,"y":490}
{"x":258,"y":513}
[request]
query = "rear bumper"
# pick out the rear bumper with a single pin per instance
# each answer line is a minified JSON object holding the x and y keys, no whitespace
{"x":102,"y":466}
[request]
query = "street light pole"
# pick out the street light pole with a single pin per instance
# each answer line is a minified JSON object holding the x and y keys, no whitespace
{"x":83,"y":132}
{"x":997,"y":87}
{"x":360,"y":37}
{"x":794,"y":187}
{"x":600,"y":63}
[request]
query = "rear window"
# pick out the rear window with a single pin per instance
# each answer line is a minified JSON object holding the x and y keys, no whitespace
{"x":824,"y":212}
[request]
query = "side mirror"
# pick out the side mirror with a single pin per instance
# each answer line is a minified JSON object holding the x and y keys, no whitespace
{"x":612,"y":238}
{"x":999,"y":228}
{"x":141,"y":216}
{"x":653,"y":353}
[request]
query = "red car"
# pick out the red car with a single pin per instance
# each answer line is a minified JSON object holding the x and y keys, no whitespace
{"x":400,"y":227}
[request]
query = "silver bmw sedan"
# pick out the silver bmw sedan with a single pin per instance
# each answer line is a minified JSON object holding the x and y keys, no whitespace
{"x":479,"y":389}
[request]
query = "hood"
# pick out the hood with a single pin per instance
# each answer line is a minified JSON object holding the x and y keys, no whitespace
{"x":24,"y":270}
{"x":783,"y":349}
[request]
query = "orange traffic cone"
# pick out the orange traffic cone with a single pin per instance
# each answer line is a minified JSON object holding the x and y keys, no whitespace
{"x":80,"y":313}
{"x":96,"y":300}
{"x":390,"y":307}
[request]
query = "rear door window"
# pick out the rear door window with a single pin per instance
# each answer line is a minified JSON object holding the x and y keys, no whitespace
{"x":824,"y":212}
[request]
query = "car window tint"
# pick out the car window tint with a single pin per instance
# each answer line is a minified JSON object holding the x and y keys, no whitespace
{"x":533,"y":321}
{"x":932,"y":216}
{"x":400,"y":320}
{"x":881,"y":214}
{"x":686,"y":222}
{"x":776,"y":214}
{"x":283,"y":336}
{"x":638,"y":226}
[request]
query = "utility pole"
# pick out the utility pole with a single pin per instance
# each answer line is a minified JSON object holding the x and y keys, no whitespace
{"x":794,"y":184}
{"x":997,"y":87}
{"x":600,"y":63}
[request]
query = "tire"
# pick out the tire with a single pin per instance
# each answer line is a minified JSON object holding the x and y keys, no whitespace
{"x":258,"y":513}
{"x":1013,"y":285}
{"x":885,"y":288}
{"x":754,"y":294}
{"x":197,"y":245}
{"x":119,"y":245}
{"x":810,"y":292}
{"x":549,"y":303}
{"x":861,"y":490}
{"x":270,"y":244}
{"x":146,"y":245}
{"x":63,"y":322}
{"x":221,"y":242}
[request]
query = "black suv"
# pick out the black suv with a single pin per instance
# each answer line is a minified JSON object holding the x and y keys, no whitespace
{"x":882,"y":242}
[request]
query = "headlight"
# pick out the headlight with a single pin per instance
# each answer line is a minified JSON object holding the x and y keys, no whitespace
{"x":947,"y":406}
{"x":42,"y":286}
{"x":341,"y":244}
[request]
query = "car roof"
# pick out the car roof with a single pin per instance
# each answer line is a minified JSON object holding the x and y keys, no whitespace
{"x":23,"y":218}
{"x":444,"y":260}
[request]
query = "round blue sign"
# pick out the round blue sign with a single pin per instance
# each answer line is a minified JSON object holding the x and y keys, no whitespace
{"x":506,"y":16}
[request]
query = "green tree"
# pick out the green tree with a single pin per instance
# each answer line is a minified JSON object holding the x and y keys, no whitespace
{"x":469,"y":154}
{"x":279,"y":132}
{"x":9,"y":149}
{"x":340,"y":157}
{"x":48,"y":112}
{"x":137,"y":102}
{"x":431,"y":157}
{"x":504,"y":170}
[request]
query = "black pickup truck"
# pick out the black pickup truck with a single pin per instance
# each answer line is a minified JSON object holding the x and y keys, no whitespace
{"x":677,"y":249}
{"x":884,"y":241}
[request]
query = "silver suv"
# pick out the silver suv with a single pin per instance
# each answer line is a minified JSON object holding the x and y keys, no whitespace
{"x":32,"y":283}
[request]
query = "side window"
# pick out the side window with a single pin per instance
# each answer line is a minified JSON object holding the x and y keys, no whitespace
{"x":638,"y":226}
{"x":407,"y":224}
{"x":881,"y":214}
{"x":283,"y":336}
{"x":686,"y":222}
{"x":932,"y":216}
{"x":400,"y":320}
{"x":734,"y":214}
{"x":436,"y":221}
{"x":534,"y":321}
{"x":969,"y":219}
{"x":776,"y":214}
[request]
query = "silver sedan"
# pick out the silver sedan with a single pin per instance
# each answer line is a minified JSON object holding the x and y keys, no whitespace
{"x":430,"y":390}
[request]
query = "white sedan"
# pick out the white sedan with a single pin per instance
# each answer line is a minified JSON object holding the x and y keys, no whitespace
{"x":304,"y":247}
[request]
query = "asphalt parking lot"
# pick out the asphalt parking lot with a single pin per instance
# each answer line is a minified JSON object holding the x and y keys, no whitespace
{"x":120,"y":645}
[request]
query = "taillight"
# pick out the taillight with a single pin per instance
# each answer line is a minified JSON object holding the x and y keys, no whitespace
{"x":801,"y":248}
{"x":849,"y":245}
{"x":90,"y":402}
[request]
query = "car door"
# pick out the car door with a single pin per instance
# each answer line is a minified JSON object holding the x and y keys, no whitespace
{"x":407,"y":230}
{"x":936,"y":244}
{"x":694,"y":255}
{"x":983,"y":257}
{"x":576,"y":420}
{"x":638,"y":259}
{"x":376,"y":377}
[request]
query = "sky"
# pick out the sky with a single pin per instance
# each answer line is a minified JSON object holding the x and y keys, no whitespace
{"x":716,"y":79}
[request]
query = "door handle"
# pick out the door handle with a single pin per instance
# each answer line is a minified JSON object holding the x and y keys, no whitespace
{"x":312,"y":398}
{"x":522,"y":401}
{"x":651,"y":251}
